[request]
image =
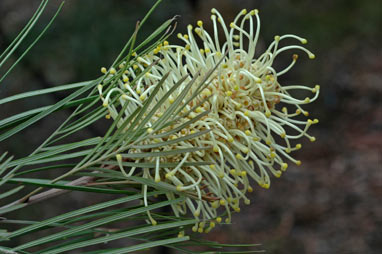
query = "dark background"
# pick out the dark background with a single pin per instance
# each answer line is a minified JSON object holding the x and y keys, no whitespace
{"x":330,"y":204}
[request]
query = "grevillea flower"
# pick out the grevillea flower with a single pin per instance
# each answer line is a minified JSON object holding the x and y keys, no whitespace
{"x":246,"y":110}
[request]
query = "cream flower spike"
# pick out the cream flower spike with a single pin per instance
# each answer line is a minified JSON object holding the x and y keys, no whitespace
{"x":248,"y":112}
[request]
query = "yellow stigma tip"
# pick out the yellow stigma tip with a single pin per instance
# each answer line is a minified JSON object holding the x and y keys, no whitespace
{"x":312,"y":56}
{"x":268,"y":113}
{"x":250,"y":189}
{"x":206,"y":92}
{"x":216,"y":149}
{"x":199,"y":110}
{"x":218,"y":219}
{"x":298,"y":163}
{"x":200,"y":23}
{"x":304,"y":41}
{"x":228,"y":93}
{"x":284,"y":166}
{"x":239,"y":156}
{"x":103,"y":70}
{"x":222,"y":202}
{"x":312,"y":139}
{"x":298,"y":146}
{"x":150,"y":130}
{"x":179,"y":188}
{"x":254,"y":12}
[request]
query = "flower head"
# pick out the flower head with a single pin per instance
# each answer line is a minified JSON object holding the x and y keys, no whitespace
{"x":244,"y":107}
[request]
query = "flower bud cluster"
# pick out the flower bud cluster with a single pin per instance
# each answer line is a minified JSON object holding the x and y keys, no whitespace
{"x":252,"y":119}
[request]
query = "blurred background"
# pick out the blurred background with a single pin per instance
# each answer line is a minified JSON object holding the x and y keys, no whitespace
{"x":332,"y":202}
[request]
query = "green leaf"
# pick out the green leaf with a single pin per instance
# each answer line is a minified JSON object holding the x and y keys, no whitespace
{"x":10,"y":208}
{"x":10,"y":192}
{"x":143,"y":246}
{"x":96,"y":223}
{"x":43,"y":91}
{"x":116,"y":236}
{"x":24,"y":32}
{"x":62,"y":185}
{"x":46,"y":112}
{"x":59,"y":166}
{"x":19,"y":118}
{"x":31,"y":45}
{"x":79,"y":212}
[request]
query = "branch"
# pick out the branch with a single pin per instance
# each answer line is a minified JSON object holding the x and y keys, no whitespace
{"x":51,"y":193}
